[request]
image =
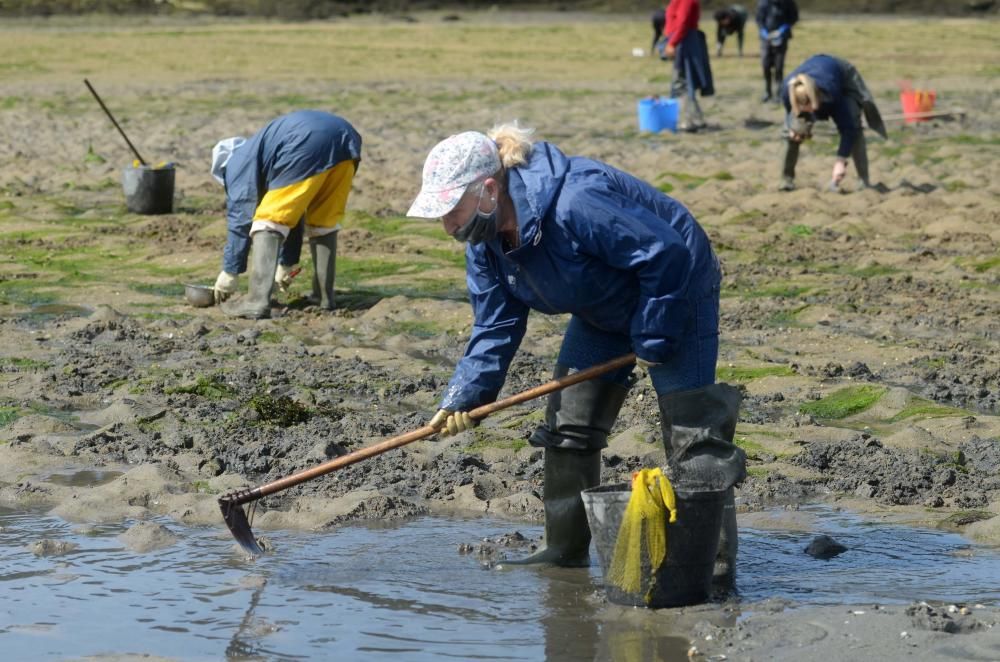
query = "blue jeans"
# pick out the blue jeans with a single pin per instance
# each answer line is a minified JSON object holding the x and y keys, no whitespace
{"x":692,"y":365}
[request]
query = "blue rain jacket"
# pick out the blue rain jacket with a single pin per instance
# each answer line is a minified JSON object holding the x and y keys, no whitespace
{"x":595,"y":242}
{"x":289,"y":149}
{"x":834,"y":103}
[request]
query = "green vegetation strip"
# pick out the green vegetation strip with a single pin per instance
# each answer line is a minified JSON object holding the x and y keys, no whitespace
{"x":8,"y":415}
{"x":921,"y":408}
{"x":207,"y":387}
{"x":18,"y":363}
{"x":986,"y":265}
{"x":747,"y":373}
{"x":483,"y":441}
{"x":751,"y":448}
{"x":845,"y":402}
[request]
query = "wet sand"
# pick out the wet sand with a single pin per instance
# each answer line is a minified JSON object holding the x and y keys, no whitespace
{"x":861,"y":325}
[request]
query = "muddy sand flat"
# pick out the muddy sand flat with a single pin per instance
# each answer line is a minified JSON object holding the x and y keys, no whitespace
{"x":862,"y":326}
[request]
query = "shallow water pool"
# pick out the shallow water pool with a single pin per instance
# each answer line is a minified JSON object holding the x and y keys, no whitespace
{"x":403,"y":591}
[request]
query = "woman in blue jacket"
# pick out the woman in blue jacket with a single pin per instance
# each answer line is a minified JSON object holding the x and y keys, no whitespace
{"x":825,"y":87}
{"x":296,"y":171}
{"x":632,"y":267}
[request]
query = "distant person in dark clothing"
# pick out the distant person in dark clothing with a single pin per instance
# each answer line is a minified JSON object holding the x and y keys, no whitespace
{"x":659,"y":20}
{"x":775,"y":19}
{"x":825,"y":87}
{"x":727,"y":21}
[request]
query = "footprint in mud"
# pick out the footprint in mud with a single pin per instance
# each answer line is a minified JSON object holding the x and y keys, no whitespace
{"x":755,"y":123}
{"x":926,"y":187}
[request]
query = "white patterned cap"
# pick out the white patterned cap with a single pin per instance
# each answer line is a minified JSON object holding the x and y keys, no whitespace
{"x":452,"y":165}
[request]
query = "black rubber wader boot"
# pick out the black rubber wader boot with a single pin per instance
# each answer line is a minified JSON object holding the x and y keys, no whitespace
{"x":698,"y":430}
{"x":324,"y":257}
{"x":578,"y":420}
{"x":859,"y":154}
{"x":265,"y":246}
{"x":567,"y":534}
{"x":789,"y":157}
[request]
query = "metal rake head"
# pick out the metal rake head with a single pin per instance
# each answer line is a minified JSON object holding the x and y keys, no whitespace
{"x":239,"y":525}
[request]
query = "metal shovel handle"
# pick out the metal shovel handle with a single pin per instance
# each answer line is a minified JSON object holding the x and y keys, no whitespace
{"x":479,"y":413}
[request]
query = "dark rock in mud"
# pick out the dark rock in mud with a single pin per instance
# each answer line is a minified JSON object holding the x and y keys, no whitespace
{"x":981,"y":455}
{"x":759,"y":491}
{"x":824,"y":547}
{"x":863,"y":466}
{"x":966,"y":378}
{"x":380,"y":507}
{"x":762,"y":409}
{"x":118,"y":442}
{"x":496,"y":549}
{"x":952,"y":619}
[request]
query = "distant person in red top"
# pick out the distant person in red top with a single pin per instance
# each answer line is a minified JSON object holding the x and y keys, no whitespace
{"x":687,"y":46}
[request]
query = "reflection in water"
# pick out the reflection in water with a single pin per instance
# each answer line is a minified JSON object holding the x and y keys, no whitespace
{"x":240,"y":648}
{"x":403,"y":592}
{"x":625,"y":642}
{"x":571,"y":631}
{"x":84,"y":478}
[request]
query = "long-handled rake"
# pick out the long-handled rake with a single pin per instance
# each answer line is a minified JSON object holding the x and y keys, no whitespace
{"x":232,"y":503}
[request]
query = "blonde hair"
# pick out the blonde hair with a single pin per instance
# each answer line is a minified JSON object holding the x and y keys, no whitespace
{"x":513,"y":143}
{"x":801,"y":90}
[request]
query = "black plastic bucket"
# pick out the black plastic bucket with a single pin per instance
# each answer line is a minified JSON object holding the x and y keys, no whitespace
{"x":685,"y":576}
{"x":149,"y":190}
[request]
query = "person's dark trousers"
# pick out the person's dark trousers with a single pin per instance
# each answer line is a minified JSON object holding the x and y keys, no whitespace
{"x":772,"y":58}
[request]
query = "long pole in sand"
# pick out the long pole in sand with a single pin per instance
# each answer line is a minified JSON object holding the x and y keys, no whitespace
{"x":112,"y":118}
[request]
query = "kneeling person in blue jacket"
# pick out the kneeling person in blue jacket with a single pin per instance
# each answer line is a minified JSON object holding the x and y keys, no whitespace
{"x":635,"y":271}
{"x":296,"y":171}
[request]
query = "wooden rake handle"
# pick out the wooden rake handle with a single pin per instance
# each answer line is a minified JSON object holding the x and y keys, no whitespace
{"x":479,"y":413}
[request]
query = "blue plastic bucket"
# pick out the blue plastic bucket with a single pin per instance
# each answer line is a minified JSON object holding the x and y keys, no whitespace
{"x":655,"y":115}
{"x":668,"y":110}
{"x":649,"y":118}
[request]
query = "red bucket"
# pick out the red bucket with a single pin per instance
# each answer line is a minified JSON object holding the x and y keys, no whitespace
{"x":916,"y":102}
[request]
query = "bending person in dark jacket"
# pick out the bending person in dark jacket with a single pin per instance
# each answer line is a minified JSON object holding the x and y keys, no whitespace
{"x":824,"y":87}
{"x":659,"y":21}
{"x":775,"y":19}
{"x":634,"y":270}
{"x":732,"y":19}
{"x":295,"y":171}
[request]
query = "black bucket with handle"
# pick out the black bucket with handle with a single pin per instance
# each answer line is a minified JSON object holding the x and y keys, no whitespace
{"x":148,"y":189}
{"x":685,"y":576}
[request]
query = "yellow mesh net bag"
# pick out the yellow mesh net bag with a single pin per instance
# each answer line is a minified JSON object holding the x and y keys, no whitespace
{"x":643,"y":532}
